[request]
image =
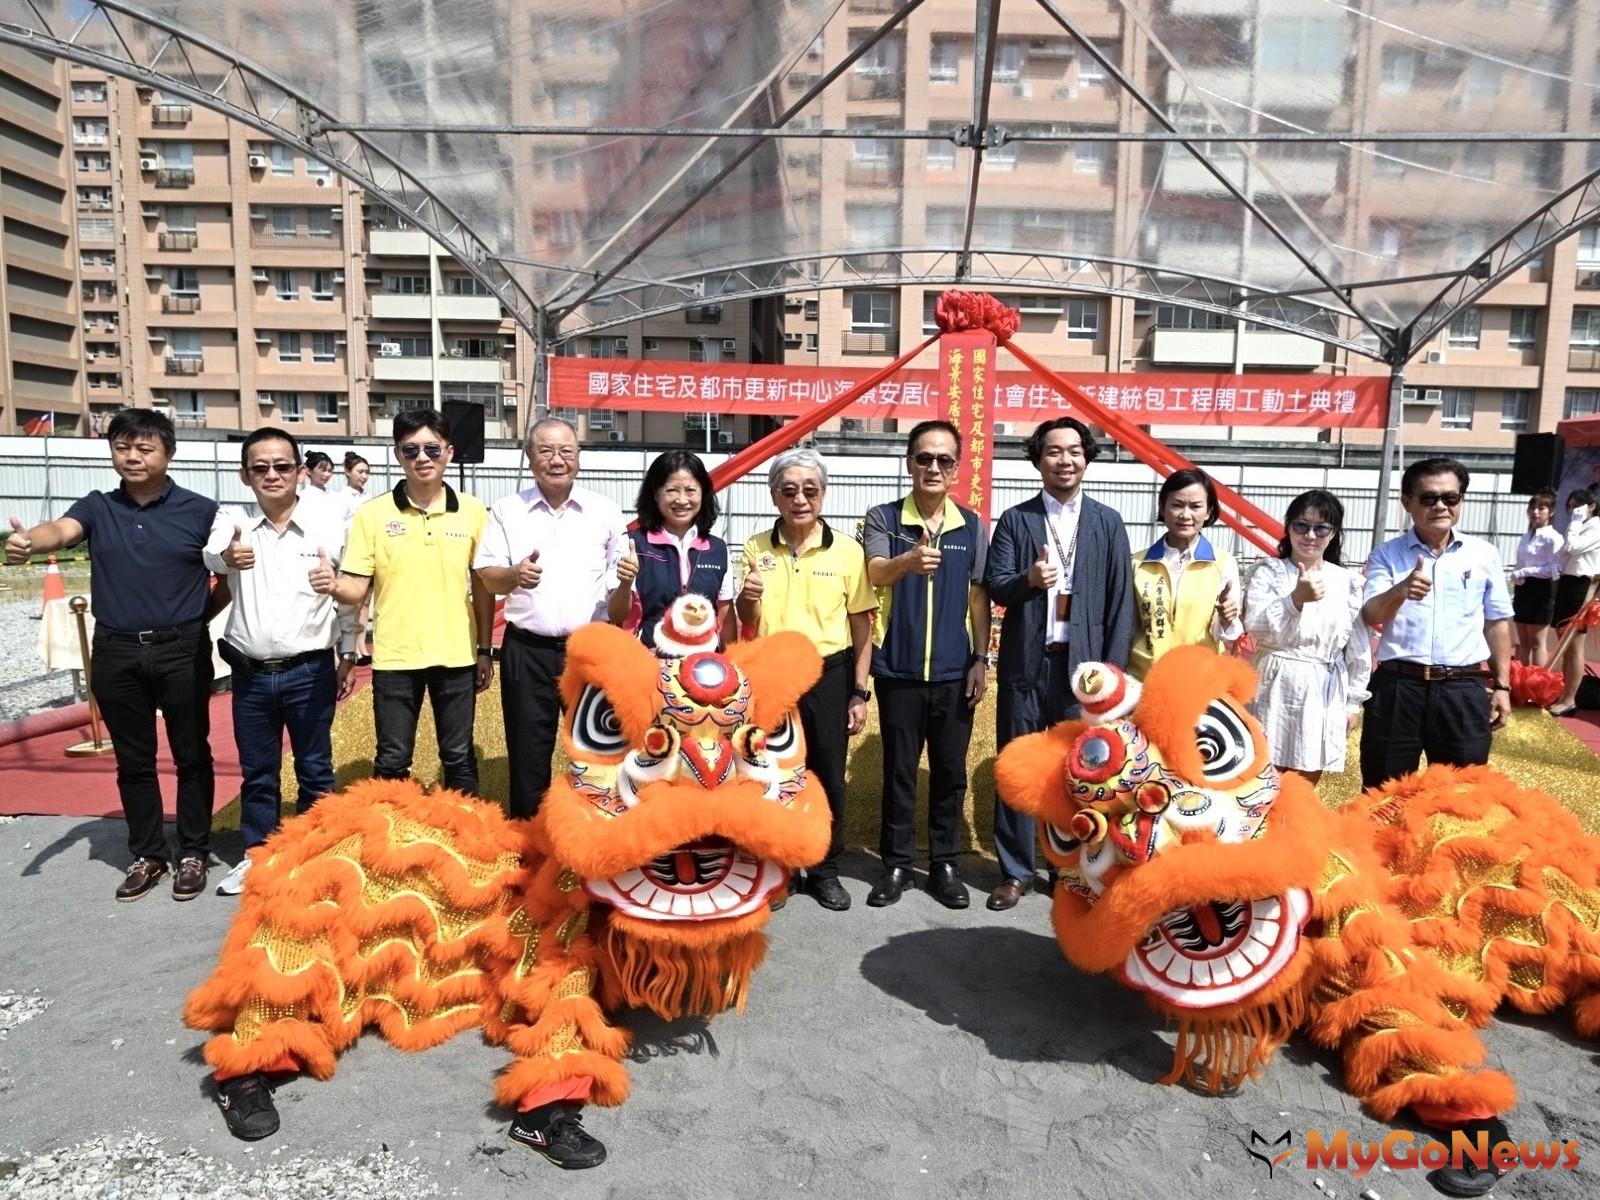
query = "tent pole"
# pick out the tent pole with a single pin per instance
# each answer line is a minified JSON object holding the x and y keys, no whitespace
{"x":1391,"y":435}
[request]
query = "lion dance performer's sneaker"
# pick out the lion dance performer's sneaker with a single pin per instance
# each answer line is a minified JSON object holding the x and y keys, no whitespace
{"x":560,"y":1137}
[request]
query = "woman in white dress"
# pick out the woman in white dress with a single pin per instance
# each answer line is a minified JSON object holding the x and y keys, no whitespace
{"x":1313,"y":652}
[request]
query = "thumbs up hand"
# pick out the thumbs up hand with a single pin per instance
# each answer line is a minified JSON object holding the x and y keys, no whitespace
{"x":322,"y":575}
{"x":529,"y":572}
{"x":1309,"y":588}
{"x":19,"y":546}
{"x":753,"y":585}
{"x":1227,"y":606}
{"x":922,"y":558}
{"x":627,"y":567}
{"x":1418,"y":585}
{"x":238,"y":556}
{"x":1044,"y":573}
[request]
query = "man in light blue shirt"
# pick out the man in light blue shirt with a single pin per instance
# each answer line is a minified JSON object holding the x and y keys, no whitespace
{"x":1442,"y":682}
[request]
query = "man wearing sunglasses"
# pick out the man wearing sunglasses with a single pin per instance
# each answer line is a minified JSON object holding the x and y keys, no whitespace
{"x":281,"y":637}
{"x":435,"y":620}
{"x":925,"y":556}
{"x":1443,"y":677}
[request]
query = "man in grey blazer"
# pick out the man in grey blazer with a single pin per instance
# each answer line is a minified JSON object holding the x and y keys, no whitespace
{"x":1059,"y":563}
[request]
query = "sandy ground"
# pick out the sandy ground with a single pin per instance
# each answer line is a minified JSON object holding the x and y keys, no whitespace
{"x":907,"y":1051}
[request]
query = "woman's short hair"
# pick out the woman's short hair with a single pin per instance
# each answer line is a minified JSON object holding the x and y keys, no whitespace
{"x":1327,"y":506}
{"x":665,"y":466}
{"x":1188,"y":477}
{"x":801,"y":456}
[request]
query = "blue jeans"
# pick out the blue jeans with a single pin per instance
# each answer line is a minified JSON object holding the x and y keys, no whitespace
{"x":300,"y":699}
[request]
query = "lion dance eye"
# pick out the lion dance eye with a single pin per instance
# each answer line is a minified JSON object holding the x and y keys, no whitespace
{"x":1224,"y":741}
{"x":595,"y":725}
{"x":782,"y":740}
{"x":1096,"y":756}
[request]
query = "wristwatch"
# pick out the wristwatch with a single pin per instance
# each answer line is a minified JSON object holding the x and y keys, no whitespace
{"x":1501,"y":687}
{"x":348,"y":656}
{"x":861,"y":693}
{"x":485,"y":651}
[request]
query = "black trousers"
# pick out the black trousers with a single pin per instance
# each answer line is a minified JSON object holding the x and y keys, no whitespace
{"x":530,"y":695}
{"x":131,"y":681}
{"x":1407,"y":718}
{"x":824,"y":710}
{"x":1027,"y":706}
{"x":396,"y":705}
{"x":913,"y":714}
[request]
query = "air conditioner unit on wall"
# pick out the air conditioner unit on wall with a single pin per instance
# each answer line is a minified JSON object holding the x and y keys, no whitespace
{"x":258,"y":162}
{"x":1436,"y":356}
{"x":1433,"y":395}
{"x":149,"y":162}
{"x":321,"y":180}
{"x":725,"y":437}
{"x":389,"y":350}
{"x":616,"y":435}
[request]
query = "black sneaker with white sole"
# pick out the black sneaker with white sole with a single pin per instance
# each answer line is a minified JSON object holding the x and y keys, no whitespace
{"x":247,"y":1107}
{"x":563,"y":1140}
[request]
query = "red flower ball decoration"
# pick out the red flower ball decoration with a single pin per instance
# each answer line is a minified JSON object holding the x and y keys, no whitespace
{"x":1539,"y":686}
{"x":960,"y":312}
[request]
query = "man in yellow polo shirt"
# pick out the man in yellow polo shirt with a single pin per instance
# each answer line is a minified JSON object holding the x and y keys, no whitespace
{"x":414,"y":549}
{"x":803,"y":577}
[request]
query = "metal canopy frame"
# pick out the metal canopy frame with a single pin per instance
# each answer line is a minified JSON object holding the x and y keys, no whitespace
{"x":158,"y":52}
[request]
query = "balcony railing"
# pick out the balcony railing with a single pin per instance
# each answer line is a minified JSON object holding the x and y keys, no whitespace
{"x":704,"y":314}
{"x":1588,"y":278}
{"x":171,"y":114}
{"x":184,"y":364}
{"x":180,"y":304}
{"x":1583,"y":358}
{"x":175,"y":177}
{"x":884,"y":86}
{"x":177,"y":239}
{"x":870,"y":343}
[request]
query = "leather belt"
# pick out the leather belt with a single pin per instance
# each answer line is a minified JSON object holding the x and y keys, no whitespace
{"x":1429,"y":673}
{"x":277,"y":666}
{"x":1056,"y":648}
{"x":149,"y":637}
{"x":519,"y":634}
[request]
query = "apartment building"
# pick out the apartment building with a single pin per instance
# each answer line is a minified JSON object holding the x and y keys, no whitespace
{"x":41,"y":364}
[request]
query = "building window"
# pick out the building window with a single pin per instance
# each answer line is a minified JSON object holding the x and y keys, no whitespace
{"x":188,"y":405}
{"x":288,"y":405}
{"x":1090,"y":158}
{"x":811,"y":343}
{"x":283,"y":222}
{"x":322,"y":285}
{"x":327,"y":406}
{"x":810,"y":310}
{"x":941,"y":156}
{"x":93,"y":162}
{"x":1586,"y":327}
{"x":323,"y":347}
{"x":319,"y":222}
{"x":1589,"y":246}
{"x":406,"y":285}
{"x":1581,"y":402}
{"x":602,"y":420}
{"x":1478,"y":162}
{"x":288,"y":346}
{"x":1176,"y":316}
{"x":1514,"y":407}
{"x":1457,"y":410}
{"x":465,"y":285}
{"x":476,"y":347}
{"x":179,"y":218}
{"x":281,"y":158}
{"x":183,"y":281}
{"x":1083,"y":320}
{"x":871,"y":226}
{"x":177,"y":156}
{"x":316,"y":168}
{"x":90,"y":132}
{"x":871,"y":311}
{"x":288,"y":284}
{"x":651,"y":344}
{"x":1524,"y":328}
{"x":944,"y":61}
{"x":1398,"y":71}
{"x":1008,"y":63}
{"x":1466,"y":329}
{"x":89,"y":93}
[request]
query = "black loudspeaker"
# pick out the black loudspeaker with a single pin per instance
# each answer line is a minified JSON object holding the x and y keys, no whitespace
{"x":466,"y":430}
{"x":1537,"y":464}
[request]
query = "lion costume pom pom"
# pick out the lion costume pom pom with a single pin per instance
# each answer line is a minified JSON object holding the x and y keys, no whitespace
{"x":644,"y":880}
{"x":1246,"y":910}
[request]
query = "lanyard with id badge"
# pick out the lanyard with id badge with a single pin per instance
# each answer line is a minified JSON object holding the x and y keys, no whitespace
{"x":1067,"y":556}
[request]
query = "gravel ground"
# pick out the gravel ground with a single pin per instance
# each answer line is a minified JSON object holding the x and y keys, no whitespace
{"x":25,"y":686}
{"x":15,"y":1009}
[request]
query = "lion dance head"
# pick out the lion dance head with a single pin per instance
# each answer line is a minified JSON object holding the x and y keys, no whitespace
{"x":1183,"y":870}
{"x":686,"y":804}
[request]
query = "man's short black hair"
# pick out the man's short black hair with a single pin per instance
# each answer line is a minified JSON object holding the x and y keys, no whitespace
{"x":144,"y":422}
{"x":1035,"y":443}
{"x":1432,"y":466}
{"x":412,"y":420}
{"x":923,"y":427}
{"x":268,"y":433}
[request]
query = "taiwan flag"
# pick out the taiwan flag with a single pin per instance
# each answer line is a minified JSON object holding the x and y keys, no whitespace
{"x":41,"y":426}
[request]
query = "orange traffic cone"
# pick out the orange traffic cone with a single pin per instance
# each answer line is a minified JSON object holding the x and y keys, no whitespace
{"x":55,"y":587}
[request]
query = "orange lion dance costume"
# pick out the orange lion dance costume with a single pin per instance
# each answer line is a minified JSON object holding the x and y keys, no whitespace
{"x":1246,"y":910}
{"x":643,"y":880}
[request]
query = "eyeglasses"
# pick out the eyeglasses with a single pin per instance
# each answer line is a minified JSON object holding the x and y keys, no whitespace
{"x":1307,"y":529}
{"x":411,"y":450}
{"x":790,"y":491}
{"x":1429,"y":499}
{"x":565,"y":453}
{"x":944,"y":461}
{"x":262,"y":470}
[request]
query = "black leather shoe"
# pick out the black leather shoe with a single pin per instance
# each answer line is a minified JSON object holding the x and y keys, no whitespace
{"x":1007,"y":894}
{"x":945,"y":886}
{"x":887,"y":890}
{"x":141,"y":878}
{"x":1469,"y":1179}
{"x":829,"y":893}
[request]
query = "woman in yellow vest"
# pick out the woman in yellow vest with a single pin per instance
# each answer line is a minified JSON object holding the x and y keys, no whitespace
{"x":1187,"y":590}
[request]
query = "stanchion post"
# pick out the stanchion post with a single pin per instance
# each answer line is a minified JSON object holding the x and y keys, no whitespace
{"x":98,"y":744}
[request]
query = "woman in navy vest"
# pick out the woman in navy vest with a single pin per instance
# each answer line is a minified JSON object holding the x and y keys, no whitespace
{"x":673,"y":549}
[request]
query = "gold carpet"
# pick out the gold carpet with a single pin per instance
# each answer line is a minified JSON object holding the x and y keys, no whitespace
{"x":1534,"y":749}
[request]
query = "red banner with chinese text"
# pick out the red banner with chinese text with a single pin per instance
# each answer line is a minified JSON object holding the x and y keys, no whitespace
{"x":1013,"y":396}
{"x":966,"y":366}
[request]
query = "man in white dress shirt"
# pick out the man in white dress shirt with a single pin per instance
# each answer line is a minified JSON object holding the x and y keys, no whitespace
{"x":281,"y":636}
{"x":552,"y":550}
{"x":1443,"y":676}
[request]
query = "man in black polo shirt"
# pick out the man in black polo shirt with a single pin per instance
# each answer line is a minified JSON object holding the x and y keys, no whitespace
{"x":151,"y":648}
